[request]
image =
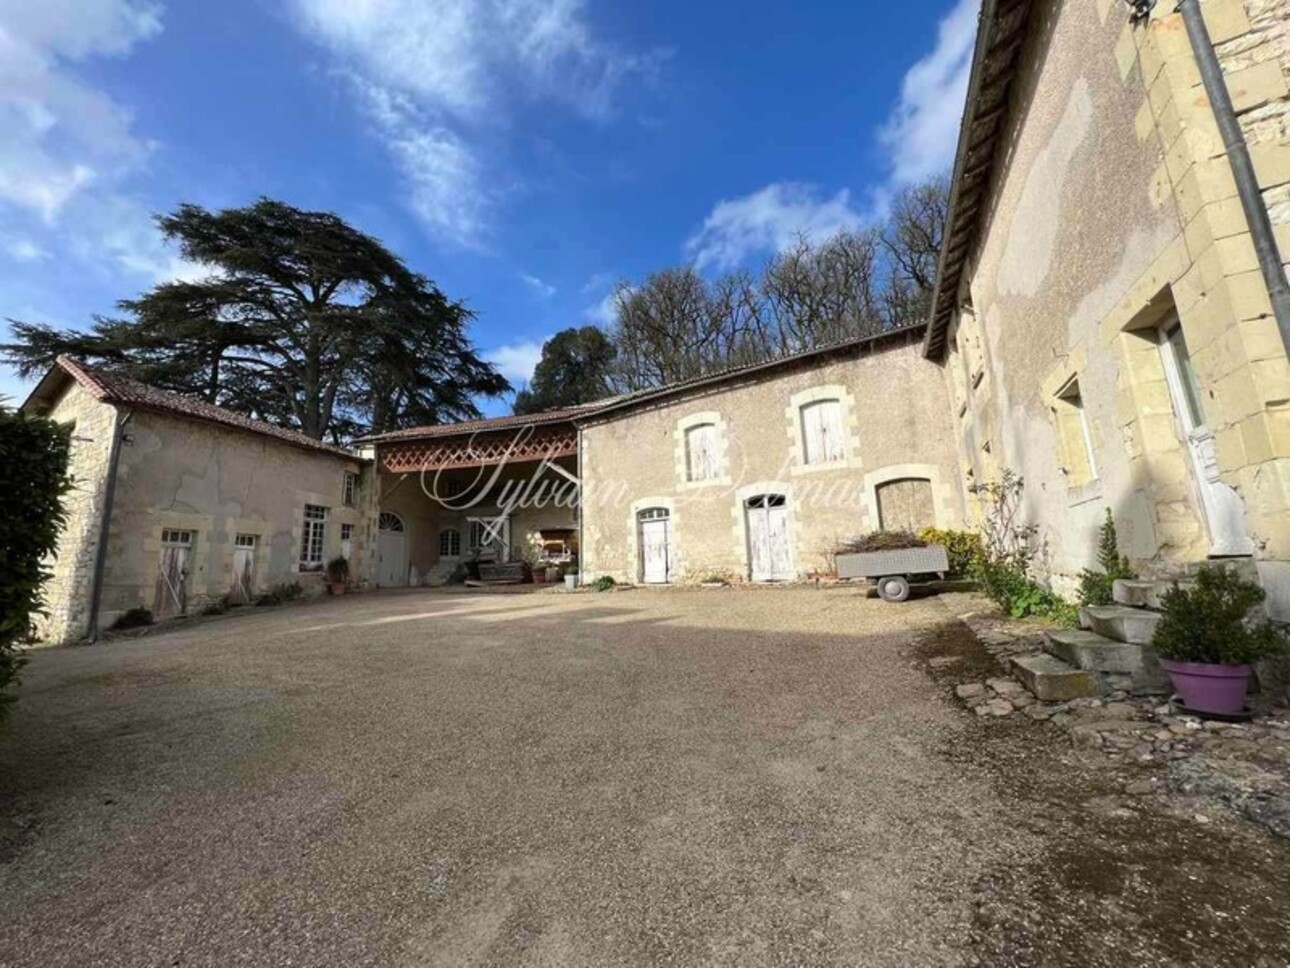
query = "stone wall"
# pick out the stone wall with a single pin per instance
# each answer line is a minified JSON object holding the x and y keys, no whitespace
{"x":1114,"y":215}
{"x":894,"y":405}
{"x":217,"y":483}
{"x":67,"y":594}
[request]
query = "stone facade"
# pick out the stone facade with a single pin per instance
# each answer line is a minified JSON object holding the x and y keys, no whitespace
{"x":211,"y":482}
{"x":67,"y":595}
{"x":892,"y":406}
{"x":1114,"y":217}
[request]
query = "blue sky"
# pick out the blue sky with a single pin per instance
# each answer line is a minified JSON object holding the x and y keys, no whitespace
{"x":525,"y":154}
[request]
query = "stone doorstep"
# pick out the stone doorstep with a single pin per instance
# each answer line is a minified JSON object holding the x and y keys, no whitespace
{"x":1051,"y":679}
{"x":1096,"y":653}
{"x":1143,"y":592}
{"x":1120,"y":622}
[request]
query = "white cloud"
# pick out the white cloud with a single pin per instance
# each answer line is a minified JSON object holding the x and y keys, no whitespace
{"x":769,"y":220}
{"x":605,"y":312}
{"x":438,"y":76}
{"x":922,"y":131}
{"x":544,"y":290}
{"x":61,"y":136}
{"x":516,"y":361}
{"x":25,"y":250}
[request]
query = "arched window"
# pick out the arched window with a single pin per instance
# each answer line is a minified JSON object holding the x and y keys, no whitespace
{"x":389,"y":521}
{"x":906,"y":504}
{"x":449,"y":543}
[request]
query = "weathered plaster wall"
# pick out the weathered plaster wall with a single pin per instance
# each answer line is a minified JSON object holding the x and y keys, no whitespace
{"x":218,"y":483}
{"x":67,"y":595}
{"x":895,"y":405}
{"x":1113,"y":211}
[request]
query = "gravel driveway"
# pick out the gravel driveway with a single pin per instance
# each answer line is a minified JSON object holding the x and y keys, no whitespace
{"x":677,"y":777}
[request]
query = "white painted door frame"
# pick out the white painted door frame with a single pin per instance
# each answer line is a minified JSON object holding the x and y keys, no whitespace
{"x":655,"y":530}
{"x":770,"y":554}
{"x":1221,"y":507}
{"x":391,"y":551}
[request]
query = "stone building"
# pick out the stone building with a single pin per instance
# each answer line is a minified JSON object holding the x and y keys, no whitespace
{"x":178,"y":504}
{"x":1102,"y":313}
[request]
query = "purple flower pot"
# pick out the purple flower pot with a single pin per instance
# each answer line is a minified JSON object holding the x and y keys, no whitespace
{"x":1208,"y":688}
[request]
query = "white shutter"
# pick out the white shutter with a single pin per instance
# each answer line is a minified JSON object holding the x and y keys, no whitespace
{"x":701,"y":452}
{"x":834,"y":441}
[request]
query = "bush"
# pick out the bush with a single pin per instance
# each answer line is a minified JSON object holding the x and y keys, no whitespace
{"x":964,"y":548}
{"x":1095,"y":586}
{"x":1008,"y":548}
{"x":135,"y":618}
{"x":338,"y":570}
{"x":603,"y":583}
{"x":1210,"y":622}
{"x":880,"y":541}
{"x":283,"y":592}
{"x":33,"y":479}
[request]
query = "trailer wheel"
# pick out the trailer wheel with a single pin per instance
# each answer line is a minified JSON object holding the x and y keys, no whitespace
{"x":893,"y":588}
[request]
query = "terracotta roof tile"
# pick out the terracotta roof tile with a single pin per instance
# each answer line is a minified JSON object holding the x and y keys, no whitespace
{"x":123,"y":391}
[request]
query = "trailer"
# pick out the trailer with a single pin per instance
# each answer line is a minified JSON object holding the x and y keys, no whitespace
{"x":894,"y":572}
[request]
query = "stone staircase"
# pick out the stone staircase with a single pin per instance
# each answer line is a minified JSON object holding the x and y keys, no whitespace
{"x":1110,"y":652}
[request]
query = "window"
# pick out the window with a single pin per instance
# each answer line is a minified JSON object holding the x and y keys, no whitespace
{"x":823,"y":435}
{"x":1073,"y":436}
{"x":1188,"y":383}
{"x":702,"y":458}
{"x":246,"y":541}
{"x":313,"y":538}
{"x":351,"y":489}
{"x":450,"y":543}
{"x":171,"y":537}
{"x":346,"y":540}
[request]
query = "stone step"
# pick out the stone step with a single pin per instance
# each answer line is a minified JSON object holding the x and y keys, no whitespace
{"x":1120,"y":622}
{"x":1096,"y":653}
{"x":1051,"y":679}
{"x":1143,"y":592}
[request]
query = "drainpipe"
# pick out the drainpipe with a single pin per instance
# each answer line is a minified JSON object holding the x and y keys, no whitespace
{"x":1238,"y":156}
{"x":105,"y":526}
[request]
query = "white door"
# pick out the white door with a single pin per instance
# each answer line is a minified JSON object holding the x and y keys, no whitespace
{"x":1221,"y":507}
{"x":391,"y":552}
{"x":243,"y":590}
{"x":769,"y":554}
{"x":654,"y":546}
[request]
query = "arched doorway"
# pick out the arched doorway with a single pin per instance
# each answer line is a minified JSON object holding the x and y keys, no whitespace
{"x":654,"y":526}
{"x":770,"y":554}
{"x":392,"y":552}
{"x":906,"y":504}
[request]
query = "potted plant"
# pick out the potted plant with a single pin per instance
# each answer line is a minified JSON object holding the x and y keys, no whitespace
{"x":1206,"y":640}
{"x":570,"y":577}
{"x":338,"y":575}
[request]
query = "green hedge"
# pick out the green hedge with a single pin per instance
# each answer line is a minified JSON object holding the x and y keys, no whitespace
{"x":34,"y":480}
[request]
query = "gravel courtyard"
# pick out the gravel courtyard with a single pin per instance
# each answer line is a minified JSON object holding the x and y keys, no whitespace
{"x":770,"y":777}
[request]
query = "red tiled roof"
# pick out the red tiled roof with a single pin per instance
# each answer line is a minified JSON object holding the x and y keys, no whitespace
{"x":123,"y":391}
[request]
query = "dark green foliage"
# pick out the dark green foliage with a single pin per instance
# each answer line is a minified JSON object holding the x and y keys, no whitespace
{"x":603,"y":583}
{"x":1003,"y":569}
{"x":574,"y":369}
{"x":1211,"y":621}
{"x":338,"y":570}
{"x":304,"y":322}
{"x":135,"y":618}
{"x":964,"y":548}
{"x":284,"y":592}
{"x":1095,"y":586}
{"x":33,"y":479}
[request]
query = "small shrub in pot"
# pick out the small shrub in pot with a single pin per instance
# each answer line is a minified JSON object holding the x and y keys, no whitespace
{"x":1206,"y":639}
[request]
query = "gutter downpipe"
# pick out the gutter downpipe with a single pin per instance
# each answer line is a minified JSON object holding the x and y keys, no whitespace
{"x":105,"y":527}
{"x":582,"y":496}
{"x":1238,"y":157}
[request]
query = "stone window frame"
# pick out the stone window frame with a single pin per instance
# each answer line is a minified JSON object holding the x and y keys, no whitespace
{"x":942,"y":495}
{"x":739,"y":527}
{"x":680,"y":456}
{"x":1055,"y":392}
{"x":633,"y":537}
{"x":850,"y":420}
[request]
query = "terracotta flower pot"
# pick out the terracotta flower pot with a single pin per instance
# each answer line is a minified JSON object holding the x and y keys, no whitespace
{"x":336,"y":587}
{"x":1210,"y":688}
